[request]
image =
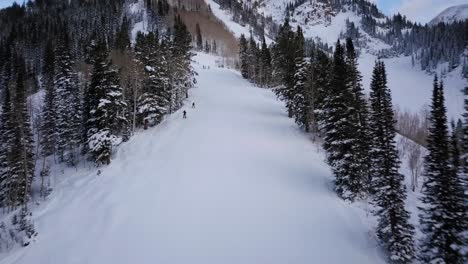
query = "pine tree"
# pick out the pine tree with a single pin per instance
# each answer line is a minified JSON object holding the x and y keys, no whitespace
{"x":320,"y":83}
{"x":68,"y":106}
{"x":107,"y":120}
{"x":339,"y":128}
{"x":207,"y":47}
{"x":243,"y":56}
{"x":265,"y":65}
{"x":394,"y":230}
{"x":49,"y":111}
{"x":465,"y":142}
{"x":155,"y":99}
{"x":6,"y":145}
{"x":22,"y":158}
{"x":284,"y":63}
{"x":122,"y":41}
{"x":301,"y":100}
{"x":443,"y":216}
{"x":199,"y":38}
{"x":214,"y":47}
{"x":182,"y":75}
{"x":360,"y":115}
{"x":252,"y":59}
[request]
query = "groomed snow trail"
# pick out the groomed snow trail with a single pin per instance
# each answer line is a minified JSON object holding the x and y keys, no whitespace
{"x":237,"y":182}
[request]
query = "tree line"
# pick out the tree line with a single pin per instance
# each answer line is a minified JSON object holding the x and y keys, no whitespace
{"x":95,"y":95}
{"x":324,"y":95}
{"x":428,"y":45}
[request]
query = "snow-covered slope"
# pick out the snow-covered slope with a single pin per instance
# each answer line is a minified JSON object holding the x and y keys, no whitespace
{"x":451,"y":14}
{"x":411,"y":87}
{"x":236,"y":182}
{"x":236,"y":29}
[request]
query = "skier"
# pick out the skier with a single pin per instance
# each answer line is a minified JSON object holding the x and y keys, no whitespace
{"x":193,"y":105}
{"x":185,"y":114}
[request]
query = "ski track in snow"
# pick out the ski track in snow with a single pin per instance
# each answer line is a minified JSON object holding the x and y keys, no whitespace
{"x":236,"y":182}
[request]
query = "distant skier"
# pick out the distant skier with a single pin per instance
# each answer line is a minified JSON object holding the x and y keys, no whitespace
{"x":185,"y":114}
{"x":193,"y":105}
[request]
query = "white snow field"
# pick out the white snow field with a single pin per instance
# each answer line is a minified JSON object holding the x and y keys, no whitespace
{"x":236,"y":182}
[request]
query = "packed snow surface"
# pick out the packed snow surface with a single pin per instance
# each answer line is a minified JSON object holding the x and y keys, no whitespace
{"x":236,"y":182}
{"x":451,"y":14}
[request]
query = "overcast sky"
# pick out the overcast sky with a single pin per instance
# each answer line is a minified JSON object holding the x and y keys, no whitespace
{"x":416,"y":10}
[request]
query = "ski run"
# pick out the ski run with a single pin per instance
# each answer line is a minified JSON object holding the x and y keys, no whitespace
{"x":235,"y":182}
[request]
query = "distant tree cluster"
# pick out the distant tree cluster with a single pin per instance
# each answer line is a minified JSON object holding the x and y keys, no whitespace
{"x":429,"y":45}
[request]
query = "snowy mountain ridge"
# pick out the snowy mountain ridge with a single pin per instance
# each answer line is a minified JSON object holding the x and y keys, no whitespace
{"x":325,"y":23}
{"x":451,"y":14}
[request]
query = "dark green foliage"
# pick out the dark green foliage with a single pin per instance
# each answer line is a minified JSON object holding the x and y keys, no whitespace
{"x":394,"y":231}
{"x":21,"y":158}
{"x":339,"y":129}
{"x":443,"y":216}
{"x":68,"y":103}
{"x":107,"y":107}
{"x":6,"y":145}
{"x":284,"y":64}
{"x":122,"y":41}
{"x":301,"y":103}
{"x":360,"y":115}
{"x":243,"y":56}
{"x":49,"y":111}
{"x":199,"y":38}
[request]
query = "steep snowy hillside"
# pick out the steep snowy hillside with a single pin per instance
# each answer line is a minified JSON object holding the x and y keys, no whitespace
{"x":451,"y":14}
{"x":206,"y":190}
{"x":410,"y":85}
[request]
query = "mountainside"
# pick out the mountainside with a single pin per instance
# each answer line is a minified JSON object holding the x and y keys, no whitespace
{"x":451,"y":14}
{"x":409,"y":65}
{"x":230,"y":131}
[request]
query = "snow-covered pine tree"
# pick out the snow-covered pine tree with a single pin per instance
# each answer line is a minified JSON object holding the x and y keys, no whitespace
{"x":320,"y":83}
{"x":243,"y":56}
{"x":339,"y":128}
{"x":284,"y":64}
{"x":360,"y":112}
{"x":5,"y":66}
{"x":122,"y":41}
{"x":22,"y":156}
{"x":214,"y":47}
{"x":199,"y":38}
{"x":107,"y":120}
{"x":25,"y":231}
{"x":182,"y":76}
{"x":49,"y":111}
{"x":301,"y":100}
{"x":455,"y":149}
{"x":6,"y":144}
{"x":153,"y":103}
{"x":207,"y":46}
{"x":253,"y":59}
{"x":465,"y":142}
{"x":265,"y":65}
{"x":68,"y":105}
{"x":394,"y":231}
{"x":443,"y":216}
